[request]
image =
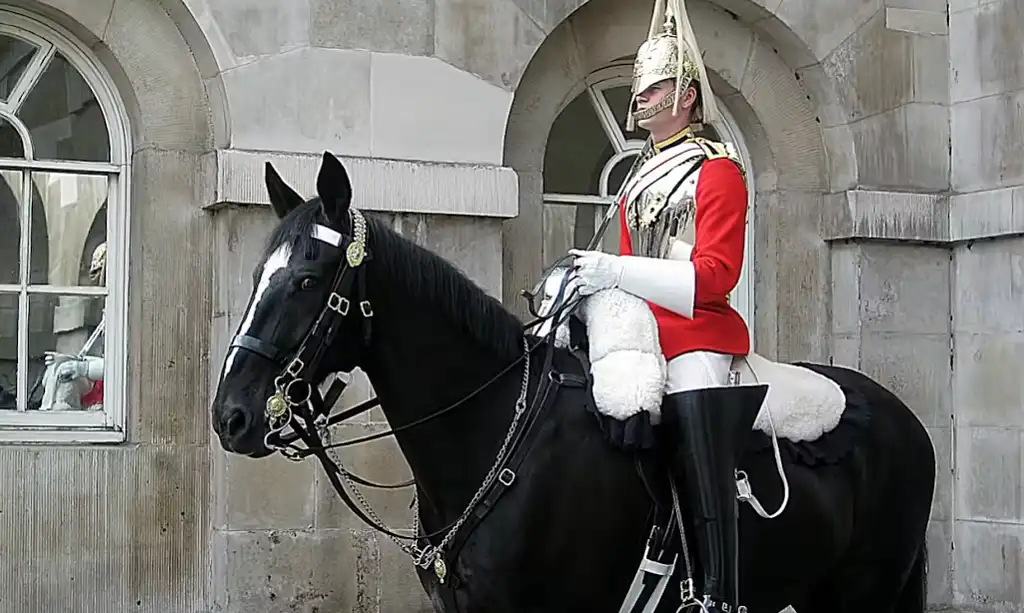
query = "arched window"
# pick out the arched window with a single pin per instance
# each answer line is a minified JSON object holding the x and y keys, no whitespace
{"x":64,"y":168}
{"x":587,"y":158}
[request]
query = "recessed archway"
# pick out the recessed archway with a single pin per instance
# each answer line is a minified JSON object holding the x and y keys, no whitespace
{"x":769,"y":108}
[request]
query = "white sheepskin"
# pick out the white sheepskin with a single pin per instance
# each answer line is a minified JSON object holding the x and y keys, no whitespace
{"x":627,"y":382}
{"x":626,"y":361}
{"x":803,"y":404}
{"x":629,"y":372}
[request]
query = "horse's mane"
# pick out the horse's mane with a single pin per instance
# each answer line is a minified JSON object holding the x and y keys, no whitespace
{"x":422,"y":276}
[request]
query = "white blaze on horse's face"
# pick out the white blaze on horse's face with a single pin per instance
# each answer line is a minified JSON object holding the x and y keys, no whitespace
{"x":277,"y":262}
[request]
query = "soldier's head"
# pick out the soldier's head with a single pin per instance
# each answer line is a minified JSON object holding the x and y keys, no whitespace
{"x":670,"y":89}
{"x":98,"y":264}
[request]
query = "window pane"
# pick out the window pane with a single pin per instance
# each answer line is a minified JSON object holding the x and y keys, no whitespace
{"x":8,"y":351}
{"x":618,"y":100}
{"x":10,"y":226}
{"x":63,"y":116}
{"x":68,"y":225}
{"x":559,"y":230}
{"x":619,"y":172}
{"x":65,"y":348}
{"x":709,"y":132}
{"x":577,"y":150}
{"x":15,"y":54}
{"x":10,"y":141}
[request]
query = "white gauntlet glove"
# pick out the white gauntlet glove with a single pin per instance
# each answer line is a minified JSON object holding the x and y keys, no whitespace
{"x":596,"y":270}
{"x":669,"y":283}
{"x":86,"y":367}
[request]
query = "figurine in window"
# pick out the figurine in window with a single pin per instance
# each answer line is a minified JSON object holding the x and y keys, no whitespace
{"x":75,"y":382}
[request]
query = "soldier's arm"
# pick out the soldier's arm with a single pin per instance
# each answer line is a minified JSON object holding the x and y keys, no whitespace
{"x":719,"y":231}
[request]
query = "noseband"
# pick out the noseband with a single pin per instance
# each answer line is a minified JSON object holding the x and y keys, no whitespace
{"x":295,"y":388}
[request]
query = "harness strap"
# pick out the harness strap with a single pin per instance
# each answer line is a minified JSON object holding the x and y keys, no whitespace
{"x":522,"y":444}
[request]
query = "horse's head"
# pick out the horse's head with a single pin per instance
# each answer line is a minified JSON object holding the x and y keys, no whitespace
{"x":306,"y":297}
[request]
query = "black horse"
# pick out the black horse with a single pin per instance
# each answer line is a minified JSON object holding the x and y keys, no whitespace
{"x":564,"y":518}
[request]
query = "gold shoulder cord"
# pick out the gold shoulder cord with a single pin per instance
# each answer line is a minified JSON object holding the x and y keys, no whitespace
{"x":715,"y":150}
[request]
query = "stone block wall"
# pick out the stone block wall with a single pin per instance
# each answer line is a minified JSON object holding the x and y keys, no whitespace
{"x":886,"y":136}
{"x":987,"y":176}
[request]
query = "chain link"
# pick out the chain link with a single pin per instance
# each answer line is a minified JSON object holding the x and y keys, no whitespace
{"x":425,"y":557}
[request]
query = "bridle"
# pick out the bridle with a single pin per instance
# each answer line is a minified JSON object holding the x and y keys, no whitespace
{"x":294,"y":387}
{"x":297,"y":397}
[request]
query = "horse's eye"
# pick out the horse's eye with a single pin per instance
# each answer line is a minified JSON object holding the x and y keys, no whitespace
{"x":308,"y":283}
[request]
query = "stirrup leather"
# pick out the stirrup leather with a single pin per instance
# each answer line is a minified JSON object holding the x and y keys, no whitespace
{"x":649,"y":566}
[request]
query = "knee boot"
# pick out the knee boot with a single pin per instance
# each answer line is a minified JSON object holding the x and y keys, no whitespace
{"x":710,"y":428}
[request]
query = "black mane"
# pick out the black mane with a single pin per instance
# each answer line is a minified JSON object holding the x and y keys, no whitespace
{"x":422,"y":274}
{"x":433,"y":280}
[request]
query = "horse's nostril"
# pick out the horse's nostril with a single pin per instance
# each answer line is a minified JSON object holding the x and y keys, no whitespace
{"x":236,"y":423}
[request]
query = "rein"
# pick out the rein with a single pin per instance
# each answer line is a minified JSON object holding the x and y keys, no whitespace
{"x":297,"y":397}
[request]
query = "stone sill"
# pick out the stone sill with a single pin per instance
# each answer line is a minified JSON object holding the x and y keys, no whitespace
{"x":921,"y":217}
{"x":395,"y":186}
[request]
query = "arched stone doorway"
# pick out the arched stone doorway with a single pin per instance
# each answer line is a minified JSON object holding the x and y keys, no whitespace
{"x":770,"y":116}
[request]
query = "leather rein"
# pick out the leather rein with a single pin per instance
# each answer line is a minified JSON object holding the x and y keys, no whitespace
{"x":299,"y":404}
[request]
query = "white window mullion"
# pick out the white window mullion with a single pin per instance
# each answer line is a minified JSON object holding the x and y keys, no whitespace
{"x":62,"y":290}
{"x":115,"y":340}
{"x":607,"y":119}
{"x":21,"y":391}
{"x":24,"y":269}
{"x":33,"y":71}
{"x":54,"y":166}
{"x":576,"y":199}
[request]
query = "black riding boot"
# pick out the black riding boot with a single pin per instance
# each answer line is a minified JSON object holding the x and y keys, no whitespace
{"x":711,"y":427}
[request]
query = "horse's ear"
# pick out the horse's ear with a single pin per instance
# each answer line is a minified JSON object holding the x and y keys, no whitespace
{"x":334,"y":188}
{"x":282,"y":198}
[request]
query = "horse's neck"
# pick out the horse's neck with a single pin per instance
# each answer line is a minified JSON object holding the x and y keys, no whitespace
{"x":419,"y":365}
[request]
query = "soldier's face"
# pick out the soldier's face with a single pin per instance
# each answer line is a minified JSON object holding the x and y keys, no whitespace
{"x":654,"y":94}
{"x":659,"y":94}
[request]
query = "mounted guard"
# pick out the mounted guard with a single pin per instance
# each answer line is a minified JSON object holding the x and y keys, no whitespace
{"x":682,"y":217}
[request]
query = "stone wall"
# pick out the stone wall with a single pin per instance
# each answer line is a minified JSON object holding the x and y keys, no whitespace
{"x":885,"y":137}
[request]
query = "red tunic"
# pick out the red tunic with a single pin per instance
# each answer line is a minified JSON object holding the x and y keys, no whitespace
{"x":720,"y":220}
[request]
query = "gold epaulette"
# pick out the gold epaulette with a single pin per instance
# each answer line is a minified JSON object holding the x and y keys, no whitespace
{"x":715,"y":150}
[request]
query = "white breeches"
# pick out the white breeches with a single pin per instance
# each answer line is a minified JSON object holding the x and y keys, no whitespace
{"x":697,"y":370}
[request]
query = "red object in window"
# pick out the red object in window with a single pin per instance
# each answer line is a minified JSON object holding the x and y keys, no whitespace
{"x":93,"y":396}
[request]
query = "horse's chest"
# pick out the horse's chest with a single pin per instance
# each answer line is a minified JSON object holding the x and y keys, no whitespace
{"x":553,"y":543}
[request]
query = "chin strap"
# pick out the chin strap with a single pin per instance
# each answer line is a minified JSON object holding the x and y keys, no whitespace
{"x":670,"y":284}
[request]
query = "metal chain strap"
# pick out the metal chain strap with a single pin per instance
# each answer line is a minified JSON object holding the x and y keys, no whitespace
{"x":425,"y":557}
{"x":357,"y":494}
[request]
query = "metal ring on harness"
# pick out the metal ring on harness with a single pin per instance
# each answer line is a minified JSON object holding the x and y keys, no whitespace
{"x":293,"y":399}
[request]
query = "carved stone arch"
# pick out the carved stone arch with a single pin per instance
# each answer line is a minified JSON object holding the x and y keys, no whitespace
{"x":780,"y":126}
{"x":161,"y":63}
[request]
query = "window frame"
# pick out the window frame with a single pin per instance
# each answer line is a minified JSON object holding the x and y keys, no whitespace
{"x":618,"y":75}
{"x":110,"y":424}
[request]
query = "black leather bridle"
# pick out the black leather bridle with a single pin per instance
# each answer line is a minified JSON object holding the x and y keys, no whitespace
{"x":295,"y":389}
